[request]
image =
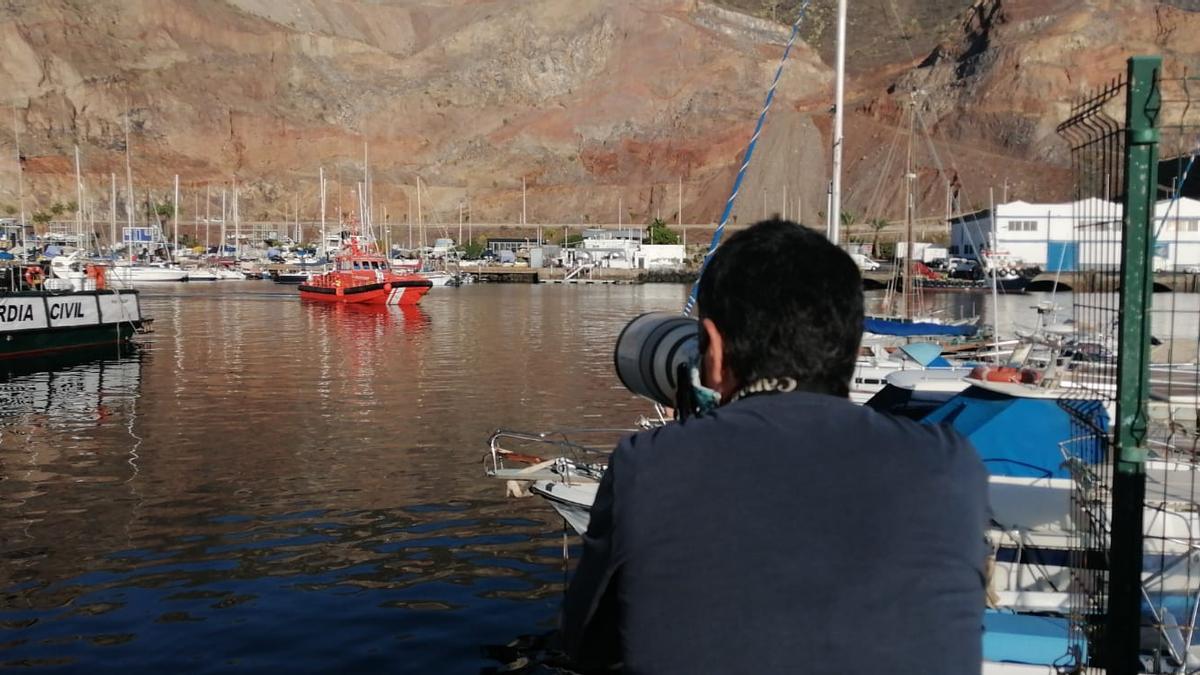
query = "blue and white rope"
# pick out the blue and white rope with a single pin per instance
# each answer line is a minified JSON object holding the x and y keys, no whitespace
{"x":741,"y":175}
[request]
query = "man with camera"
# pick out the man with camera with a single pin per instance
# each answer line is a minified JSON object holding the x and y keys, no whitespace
{"x":786,"y":529}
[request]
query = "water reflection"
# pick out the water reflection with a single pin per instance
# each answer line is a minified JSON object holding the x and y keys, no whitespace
{"x":277,"y":485}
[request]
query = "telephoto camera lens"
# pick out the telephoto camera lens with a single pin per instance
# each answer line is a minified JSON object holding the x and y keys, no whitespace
{"x":650,"y":351}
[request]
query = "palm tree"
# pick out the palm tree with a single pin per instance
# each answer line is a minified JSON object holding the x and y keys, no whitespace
{"x":877,"y":226}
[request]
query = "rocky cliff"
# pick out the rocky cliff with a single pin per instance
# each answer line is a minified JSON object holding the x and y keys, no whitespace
{"x":990,"y":97}
{"x":599,"y":105}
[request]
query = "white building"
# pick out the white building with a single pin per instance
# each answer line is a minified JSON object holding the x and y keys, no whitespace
{"x":660,"y":257}
{"x":1076,"y":235}
{"x":622,"y":249}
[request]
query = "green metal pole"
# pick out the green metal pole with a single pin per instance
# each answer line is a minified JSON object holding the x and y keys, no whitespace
{"x":1122,"y":639}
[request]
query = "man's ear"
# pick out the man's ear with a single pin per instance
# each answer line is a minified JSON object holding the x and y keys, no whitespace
{"x":714,"y":373}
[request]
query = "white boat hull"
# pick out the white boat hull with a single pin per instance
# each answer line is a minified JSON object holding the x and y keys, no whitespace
{"x":572,"y":501}
{"x":136,"y":275}
{"x":438,"y":279}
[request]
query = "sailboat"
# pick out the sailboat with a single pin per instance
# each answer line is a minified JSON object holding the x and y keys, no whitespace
{"x":129,"y":271}
{"x":908,"y":323}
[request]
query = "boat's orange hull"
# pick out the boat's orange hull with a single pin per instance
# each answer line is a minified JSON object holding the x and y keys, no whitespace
{"x":403,"y":291}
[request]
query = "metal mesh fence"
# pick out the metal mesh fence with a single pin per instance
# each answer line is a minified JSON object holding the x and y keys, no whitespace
{"x":1086,"y":249}
{"x":1134,"y":584}
{"x":1170,"y":580}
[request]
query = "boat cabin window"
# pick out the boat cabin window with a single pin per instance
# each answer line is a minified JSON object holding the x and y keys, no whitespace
{"x":356,"y":265}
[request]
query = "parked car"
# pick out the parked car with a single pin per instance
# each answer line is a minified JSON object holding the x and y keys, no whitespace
{"x":963,"y":268}
{"x":864,"y":263}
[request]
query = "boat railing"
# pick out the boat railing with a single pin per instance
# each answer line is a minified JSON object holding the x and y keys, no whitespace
{"x":584,"y":448}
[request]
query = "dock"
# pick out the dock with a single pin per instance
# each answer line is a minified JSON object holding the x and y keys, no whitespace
{"x":1109,"y":280}
{"x":1084,"y":282}
{"x":562,"y":276}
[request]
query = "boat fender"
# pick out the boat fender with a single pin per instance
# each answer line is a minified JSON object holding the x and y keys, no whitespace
{"x":34,"y":276}
{"x":996,"y":374}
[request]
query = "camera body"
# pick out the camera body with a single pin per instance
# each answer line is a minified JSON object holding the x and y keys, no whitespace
{"x":654,"y":356}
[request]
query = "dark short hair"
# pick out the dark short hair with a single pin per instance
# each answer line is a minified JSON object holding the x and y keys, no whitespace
{"x":788,"y":303}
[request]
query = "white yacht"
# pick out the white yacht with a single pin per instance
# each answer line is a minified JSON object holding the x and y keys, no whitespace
{"x":135,"y":274}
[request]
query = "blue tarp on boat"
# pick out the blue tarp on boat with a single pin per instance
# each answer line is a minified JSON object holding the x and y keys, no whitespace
{"x":926,"y":354}
{"x":1023,"y":436}
{"x":900,"y":327}
{"x":1028,"y":639}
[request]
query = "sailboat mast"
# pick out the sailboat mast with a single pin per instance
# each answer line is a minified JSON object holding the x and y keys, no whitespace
{"x":78,"y":199}
{"x":420,"y":218}
{"x":834,"y":219}
{"x":175,"y":218}
{"x":361,"y":216}
{"x":909,"y":207}
{"x":237,"y":225}
{"x":321,"y":251}
{"x":112,"y":216}
{"x":221,"y":247}
{"x":128,"y":187}
{"x":20,"y":176}
{"x":207,"y":215}
{"x":990,"y":267}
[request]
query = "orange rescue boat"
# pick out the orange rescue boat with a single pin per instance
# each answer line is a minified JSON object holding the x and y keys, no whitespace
{"x":362,"y":276}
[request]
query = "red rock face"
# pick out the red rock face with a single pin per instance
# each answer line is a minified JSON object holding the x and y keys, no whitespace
{"x":594,"y":102}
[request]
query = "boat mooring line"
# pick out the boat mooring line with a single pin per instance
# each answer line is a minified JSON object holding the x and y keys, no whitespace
{"x":741,"y":175}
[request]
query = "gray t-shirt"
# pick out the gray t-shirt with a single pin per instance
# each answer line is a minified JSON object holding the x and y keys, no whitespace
{"x":785,"y":533}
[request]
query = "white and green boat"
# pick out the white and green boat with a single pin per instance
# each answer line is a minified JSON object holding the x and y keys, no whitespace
{"x":37,"y":321}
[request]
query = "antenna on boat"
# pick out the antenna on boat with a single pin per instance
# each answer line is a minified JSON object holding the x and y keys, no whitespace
{"x":364,"y":193}
{"x":834,"y":217}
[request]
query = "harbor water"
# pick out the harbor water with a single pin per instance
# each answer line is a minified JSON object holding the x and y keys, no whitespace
{"x":270,"y":485}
